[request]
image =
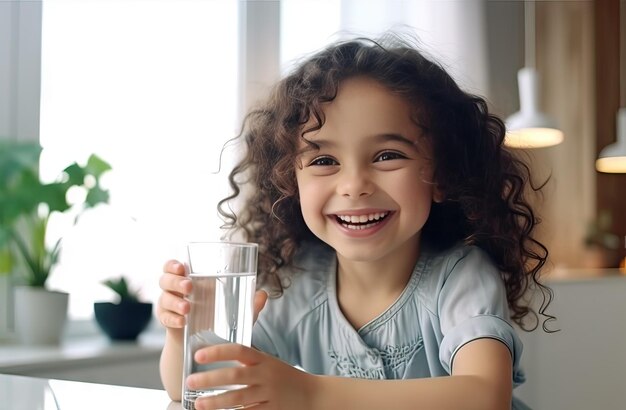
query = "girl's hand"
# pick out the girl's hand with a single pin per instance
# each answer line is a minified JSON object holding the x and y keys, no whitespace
{"x":270,"y":383}
{"x":172,"y":306}
{"x":260,"y":297}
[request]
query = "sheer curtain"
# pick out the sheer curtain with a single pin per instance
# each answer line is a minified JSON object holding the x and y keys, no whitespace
{"x":453,"y":32}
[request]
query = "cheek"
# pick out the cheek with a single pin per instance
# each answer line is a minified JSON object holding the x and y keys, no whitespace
{"x":309,"y":197}
{"x":423,"y":196}
{"x":410,"y":184}
{"x":413,"y":193}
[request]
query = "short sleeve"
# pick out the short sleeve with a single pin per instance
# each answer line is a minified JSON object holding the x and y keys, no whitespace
{"x":472,"y":305}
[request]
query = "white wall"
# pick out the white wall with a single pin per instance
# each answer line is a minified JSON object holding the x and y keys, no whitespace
{"x":584,"y":365}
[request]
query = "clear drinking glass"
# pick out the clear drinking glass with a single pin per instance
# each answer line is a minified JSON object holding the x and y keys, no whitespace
{"x":223,"y":275}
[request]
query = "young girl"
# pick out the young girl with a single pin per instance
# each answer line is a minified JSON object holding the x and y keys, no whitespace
{"x":395,"y":239}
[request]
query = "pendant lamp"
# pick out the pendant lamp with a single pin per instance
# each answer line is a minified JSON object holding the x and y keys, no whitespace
{"x":612,"y":158}
{"x":529,"y":127}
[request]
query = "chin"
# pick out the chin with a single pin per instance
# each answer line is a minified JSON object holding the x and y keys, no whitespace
{"x":358,"y":255}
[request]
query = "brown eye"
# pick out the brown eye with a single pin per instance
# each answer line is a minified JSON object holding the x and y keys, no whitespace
{"x":389,"y":155}
{"x":323,"y":161}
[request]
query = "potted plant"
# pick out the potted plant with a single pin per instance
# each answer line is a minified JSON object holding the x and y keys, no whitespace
{"x":602,"y":245}
{"x":26,"y":205}
{"x":126,"y":318}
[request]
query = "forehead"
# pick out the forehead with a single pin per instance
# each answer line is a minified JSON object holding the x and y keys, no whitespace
{"x":364,"y":106}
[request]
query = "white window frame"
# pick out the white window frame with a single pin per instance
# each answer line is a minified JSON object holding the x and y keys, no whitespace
{"x":20,"y":89}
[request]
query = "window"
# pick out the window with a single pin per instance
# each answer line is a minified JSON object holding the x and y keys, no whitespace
{"x":151,"y":87}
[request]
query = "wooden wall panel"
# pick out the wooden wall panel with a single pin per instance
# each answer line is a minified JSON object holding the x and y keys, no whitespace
{"x":565,"y":63}
{"x":611,"y":188}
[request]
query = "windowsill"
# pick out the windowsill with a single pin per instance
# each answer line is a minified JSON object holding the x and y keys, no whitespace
{"x":79,"y":351}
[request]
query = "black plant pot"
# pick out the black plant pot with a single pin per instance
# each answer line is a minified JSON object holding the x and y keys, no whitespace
{"x":124,"y":320}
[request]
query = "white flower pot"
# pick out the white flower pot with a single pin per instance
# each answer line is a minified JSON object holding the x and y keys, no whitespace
{"x":40,"y":315}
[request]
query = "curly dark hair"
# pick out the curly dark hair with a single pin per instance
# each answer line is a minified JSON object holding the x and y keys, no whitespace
{"x":485,"y":185}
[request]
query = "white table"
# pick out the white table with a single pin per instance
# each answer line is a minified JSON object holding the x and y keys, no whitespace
{"x":29,"y":393}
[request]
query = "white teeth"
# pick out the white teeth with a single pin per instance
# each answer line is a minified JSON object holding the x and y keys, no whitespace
{"x":353,"y":219}
{"x":358,"y":227}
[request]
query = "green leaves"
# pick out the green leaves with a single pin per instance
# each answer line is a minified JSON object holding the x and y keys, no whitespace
{"x":96,"y":166}
{"x":120,"y":286}
{"x":6,"y":260}
{"x":75,"y":174}
{"x":22,"y":193}
{"x":96,"y":196}
{"x":79,"y":176}
{"x":16,"y":157}
{"x":19,"y":186}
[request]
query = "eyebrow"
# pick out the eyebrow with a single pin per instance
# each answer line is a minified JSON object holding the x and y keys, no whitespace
{"x":378,"y":138}
{"x":395,"y":137}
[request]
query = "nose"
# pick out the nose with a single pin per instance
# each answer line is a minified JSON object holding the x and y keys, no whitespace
{"x":355,"y":183}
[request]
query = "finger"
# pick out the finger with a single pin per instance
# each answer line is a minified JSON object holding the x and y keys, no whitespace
{"x":174,"y":283}
{"x":246,"y":397}
{"x":225,"y":376}
{"x":260,"y":298}
{"x":171,"y":320}
{"x":174,"y":266}
{"x":229,"y":351}
{"x":261,"y":406}
{"x":174,"y":303}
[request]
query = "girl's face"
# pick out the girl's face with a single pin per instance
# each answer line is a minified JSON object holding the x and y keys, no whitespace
{"x":365,"y":192}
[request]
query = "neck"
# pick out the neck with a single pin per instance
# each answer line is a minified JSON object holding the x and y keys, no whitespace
{"x":388,"y":275}
{"x":378,"y":282}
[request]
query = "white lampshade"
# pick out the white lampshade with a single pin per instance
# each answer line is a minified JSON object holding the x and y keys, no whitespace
{"x":530,"y":128}
{"x":612,"y":158}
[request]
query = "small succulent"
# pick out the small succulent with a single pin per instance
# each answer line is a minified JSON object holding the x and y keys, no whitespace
{"x":122,"y":289}
{"x":599,"y":232}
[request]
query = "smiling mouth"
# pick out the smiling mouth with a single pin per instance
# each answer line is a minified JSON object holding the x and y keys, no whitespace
{"x":358,"y":222}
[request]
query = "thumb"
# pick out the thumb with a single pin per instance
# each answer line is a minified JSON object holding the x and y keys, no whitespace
{"x":260,"y":297}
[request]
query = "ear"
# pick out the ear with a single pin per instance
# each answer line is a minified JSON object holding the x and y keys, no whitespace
{"x":438,"y":195}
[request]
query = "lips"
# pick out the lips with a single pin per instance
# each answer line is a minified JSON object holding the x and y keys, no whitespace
{"x":362,"y":221}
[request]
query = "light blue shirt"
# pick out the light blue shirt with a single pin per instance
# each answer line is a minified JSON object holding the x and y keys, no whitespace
{"x":452,"y":298}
